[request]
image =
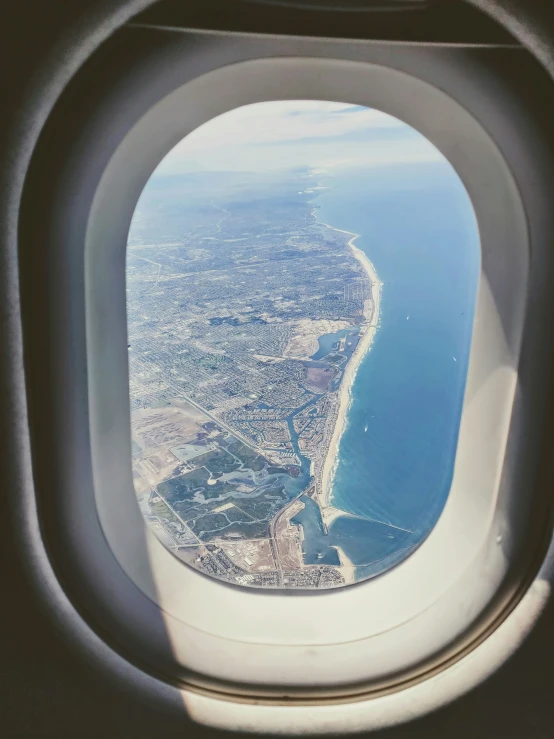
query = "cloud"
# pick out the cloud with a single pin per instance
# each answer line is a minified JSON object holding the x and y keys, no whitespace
{"x":283,"y":134}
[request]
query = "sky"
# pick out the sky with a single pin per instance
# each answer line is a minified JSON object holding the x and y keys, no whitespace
{"x":281,"y":135}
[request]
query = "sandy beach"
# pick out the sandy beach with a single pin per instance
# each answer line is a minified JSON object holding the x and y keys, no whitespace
{"x":347,"y":567}
{"x":345,"y":395}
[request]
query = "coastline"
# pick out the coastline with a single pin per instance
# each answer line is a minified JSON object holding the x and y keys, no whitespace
{"x":347,"y":568}
{"x":345,"y":392}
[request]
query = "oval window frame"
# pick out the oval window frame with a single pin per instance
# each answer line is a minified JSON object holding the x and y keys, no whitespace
{"x":333,"y":621}
{"x":103,"y":352}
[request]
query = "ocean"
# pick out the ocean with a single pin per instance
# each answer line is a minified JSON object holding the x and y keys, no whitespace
{"x":396,"y":455}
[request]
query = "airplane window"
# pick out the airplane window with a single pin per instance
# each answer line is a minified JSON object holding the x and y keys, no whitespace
{"x":301,"y":287}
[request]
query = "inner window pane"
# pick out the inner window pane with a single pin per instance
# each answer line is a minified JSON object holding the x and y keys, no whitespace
{"x":301,"y":287}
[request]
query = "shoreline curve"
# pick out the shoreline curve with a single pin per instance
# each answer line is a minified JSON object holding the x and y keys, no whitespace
{"x":345,"y":392}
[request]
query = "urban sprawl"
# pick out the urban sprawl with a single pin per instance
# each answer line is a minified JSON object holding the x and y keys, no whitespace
{"x":234,"y":390}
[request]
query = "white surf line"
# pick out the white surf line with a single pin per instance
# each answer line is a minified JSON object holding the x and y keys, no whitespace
{"x":351,"y":368}
{"x":376,"y":520}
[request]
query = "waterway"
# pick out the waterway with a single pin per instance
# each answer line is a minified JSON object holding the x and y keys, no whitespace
{"x":327,"y":341}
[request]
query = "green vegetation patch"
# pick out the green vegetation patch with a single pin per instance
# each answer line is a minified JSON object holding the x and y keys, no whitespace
{"x":209,"y":524}
{"x":247,"y":530}
{"x":184,"y":486}
{"x":205,"y":530}
{"x":335,"y":358}
{"x":218,"y":490}
{"x":247,"y":456}
{"x":163,"y":511}
{"x":216,"y":461}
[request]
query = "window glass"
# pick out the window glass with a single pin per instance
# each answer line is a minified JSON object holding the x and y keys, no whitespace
{"x":301,"y":286}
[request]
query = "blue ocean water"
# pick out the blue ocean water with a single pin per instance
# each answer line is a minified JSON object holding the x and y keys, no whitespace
{"x":396,"y":455}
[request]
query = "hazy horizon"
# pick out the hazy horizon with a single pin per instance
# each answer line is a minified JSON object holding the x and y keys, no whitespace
{"x":277,"y":136}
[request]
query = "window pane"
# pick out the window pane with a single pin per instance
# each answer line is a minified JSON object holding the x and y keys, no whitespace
{"x":301,"y":285}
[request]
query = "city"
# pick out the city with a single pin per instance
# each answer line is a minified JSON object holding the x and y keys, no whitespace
{"x":243,"y":314}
